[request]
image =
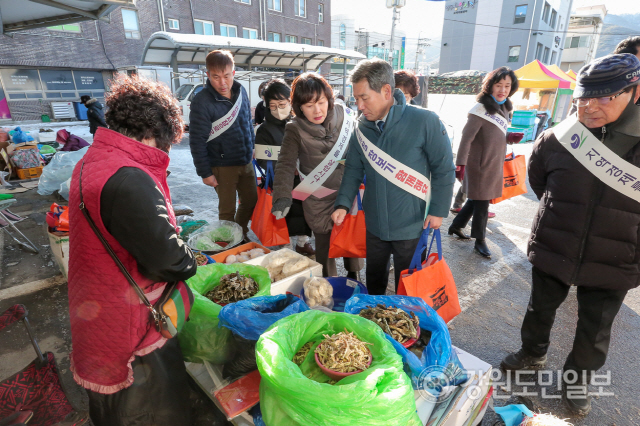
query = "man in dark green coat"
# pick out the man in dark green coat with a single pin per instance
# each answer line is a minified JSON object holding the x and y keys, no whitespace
{"x":402,"y":143}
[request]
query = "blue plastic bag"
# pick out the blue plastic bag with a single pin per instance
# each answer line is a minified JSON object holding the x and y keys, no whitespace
{"x":438,"y":352}
{"x":21,"y":137}
{"x":251,"y":317}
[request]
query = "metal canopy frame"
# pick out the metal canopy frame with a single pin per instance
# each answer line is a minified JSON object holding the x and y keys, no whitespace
{"x":20,"y":15}
{"x":175,"y":49}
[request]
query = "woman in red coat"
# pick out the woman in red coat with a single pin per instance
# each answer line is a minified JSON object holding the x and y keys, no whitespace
{"x":133,"y":375}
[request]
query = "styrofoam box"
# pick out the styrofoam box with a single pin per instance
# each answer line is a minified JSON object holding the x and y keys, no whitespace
{"x":292,"y":284}
{"x":60,"y":249}
{"x":47,"y":136}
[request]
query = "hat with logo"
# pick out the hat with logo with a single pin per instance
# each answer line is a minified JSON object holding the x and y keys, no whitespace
{"x":607,"y":76}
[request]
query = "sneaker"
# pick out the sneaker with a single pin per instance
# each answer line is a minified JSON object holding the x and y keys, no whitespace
{"x":492,"y":215}
{"x":456,"y":210}
{"x":577,"y":398}
{"x":305,"y":250}
{"x":521,"y":361}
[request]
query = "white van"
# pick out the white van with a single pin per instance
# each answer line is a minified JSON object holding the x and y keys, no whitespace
{"x":250,"y":80}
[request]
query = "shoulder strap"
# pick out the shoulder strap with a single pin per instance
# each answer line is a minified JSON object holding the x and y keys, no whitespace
{"x":113,"y":255}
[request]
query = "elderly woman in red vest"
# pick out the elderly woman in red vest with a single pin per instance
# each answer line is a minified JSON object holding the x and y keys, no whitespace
{"x":132,"y":374}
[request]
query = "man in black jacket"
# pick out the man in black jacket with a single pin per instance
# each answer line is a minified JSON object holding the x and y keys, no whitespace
{"x":586,"y":230}
{"x":221,"y":138}
{"x":95,"y":113}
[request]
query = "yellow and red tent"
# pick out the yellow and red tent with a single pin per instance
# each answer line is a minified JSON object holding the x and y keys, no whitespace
{"x":536,"y":75}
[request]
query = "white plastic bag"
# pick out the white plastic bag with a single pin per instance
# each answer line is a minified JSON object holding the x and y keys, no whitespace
{"x":59,"y":170}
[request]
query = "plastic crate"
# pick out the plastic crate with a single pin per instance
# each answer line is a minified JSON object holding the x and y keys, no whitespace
{"x":523,"y":120}
{"x":528,"y":131}
{"x":30,"y":173}
{"x":525,"y":113}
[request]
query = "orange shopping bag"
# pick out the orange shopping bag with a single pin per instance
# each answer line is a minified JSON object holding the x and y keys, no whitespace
{"x":431,"y":280}
{"x":350,"y":238}
{"x":515,"y":178}
{"x":270,"y":232}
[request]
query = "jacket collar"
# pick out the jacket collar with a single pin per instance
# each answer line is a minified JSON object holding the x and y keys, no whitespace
{"x":235,"y":91}
{"x":145,"y":155}
{"x":322,"y":131}
{"x":395,"y":112}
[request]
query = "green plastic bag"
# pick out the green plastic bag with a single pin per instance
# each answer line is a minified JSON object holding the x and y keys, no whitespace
{"x":201,"y":338}
{"x":291,"y":395}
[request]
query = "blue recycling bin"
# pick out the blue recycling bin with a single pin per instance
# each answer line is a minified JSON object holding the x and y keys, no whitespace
{"x":81,"y":110}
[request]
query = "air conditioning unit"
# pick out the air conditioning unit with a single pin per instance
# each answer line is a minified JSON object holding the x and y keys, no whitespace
{"x":63,"y":110}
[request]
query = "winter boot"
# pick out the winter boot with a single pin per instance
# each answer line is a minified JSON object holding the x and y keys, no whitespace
{"x":522,"y":361}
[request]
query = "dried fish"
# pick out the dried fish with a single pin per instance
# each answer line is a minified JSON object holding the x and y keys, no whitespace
{"x":233,"y":288}
{"x":344,"y":353}
{"x":301,"y":355}
{"x":393,"y":321}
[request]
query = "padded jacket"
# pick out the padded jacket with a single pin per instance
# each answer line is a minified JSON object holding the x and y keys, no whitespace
{"x":585,"y":233}
{"x":232,"y":148}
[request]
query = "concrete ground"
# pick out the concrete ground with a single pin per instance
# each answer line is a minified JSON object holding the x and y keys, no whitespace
{"x":493,"y":295}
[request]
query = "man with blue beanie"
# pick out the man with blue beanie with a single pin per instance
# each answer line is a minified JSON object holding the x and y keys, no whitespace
{"x":586,"y":173}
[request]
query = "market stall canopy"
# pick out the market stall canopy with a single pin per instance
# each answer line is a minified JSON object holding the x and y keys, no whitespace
{"x":19,"y":15}
{"x":557,"y":71}
{"x":466,"y":82}
{"x":572,"y":73}
{"x":535,"y":75}
{"x":179,"y":49}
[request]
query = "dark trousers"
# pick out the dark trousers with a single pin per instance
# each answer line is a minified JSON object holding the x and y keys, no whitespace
{"x":159,"y":395}
{"x":240,"y":180}
{"x":479,"y":209}
{"x":461,"y":197}
{"x":597,"y":308}
{"x":329,"y":269}
{"x":379,"y":261}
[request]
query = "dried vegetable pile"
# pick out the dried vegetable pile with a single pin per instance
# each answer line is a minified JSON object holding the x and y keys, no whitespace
{"x":201,"y":259}
{"x":301,"y":355}
{"x":393,"y":321}
{"x":233,"y":288}
{"x":344,"y":353}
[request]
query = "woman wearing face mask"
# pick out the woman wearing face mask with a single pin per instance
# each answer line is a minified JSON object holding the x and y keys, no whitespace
{"x":308,"y":139}
{"x":277,"y":114}
{"x":481,"y":154}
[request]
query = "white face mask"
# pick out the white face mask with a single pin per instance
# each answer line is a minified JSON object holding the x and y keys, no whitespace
{"x":282,"y":113}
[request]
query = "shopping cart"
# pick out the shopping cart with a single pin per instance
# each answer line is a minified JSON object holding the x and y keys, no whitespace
{"x":35,"y":396}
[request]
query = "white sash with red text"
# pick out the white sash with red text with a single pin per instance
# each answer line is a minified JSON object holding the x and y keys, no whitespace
{"x":222,"y":124}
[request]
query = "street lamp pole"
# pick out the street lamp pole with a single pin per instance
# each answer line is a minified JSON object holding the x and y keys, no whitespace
{"x":393,"y":30}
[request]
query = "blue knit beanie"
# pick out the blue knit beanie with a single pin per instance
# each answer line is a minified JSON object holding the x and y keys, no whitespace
{"x":607,"y":76}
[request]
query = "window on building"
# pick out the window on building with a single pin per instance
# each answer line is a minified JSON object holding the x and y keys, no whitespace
{"x":554,"y":56}
{"x":130,"y":22}
{"x":545,"y":58}
{"x":306,"y":40}
{"x":274,"y":37}
{"x":320,"y":12}
{"x":539,"y":52}
{"x":300,"y":7}
{"x":291,"y":39}
{"x":521,"y":14}
{"x":228,"y":30}
{"x":343,"y":36}
{"x":174,"y":24}
{"x":275,"y":5}
{"x":203,"y":27}
{"x":554,"y":19}
{"x":561,"y":24}
{"x":575,"y":42}
{"x":69,"y":28}
{"x":250,"y":33}
{"x":514,"y":54}
{"x":320,"y":42}
{"x":244,"y":1}
{"x":545,"y":12}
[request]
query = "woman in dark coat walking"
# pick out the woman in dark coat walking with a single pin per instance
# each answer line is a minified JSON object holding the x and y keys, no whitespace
{"x":277,"y":114}
{"x":481,"y":154}
{"x":95,"y":113}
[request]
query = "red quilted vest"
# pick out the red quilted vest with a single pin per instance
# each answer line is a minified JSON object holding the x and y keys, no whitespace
{"x":109,"y":323}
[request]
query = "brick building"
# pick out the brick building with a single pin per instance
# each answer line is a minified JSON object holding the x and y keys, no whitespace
{"x":62,"y":63}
